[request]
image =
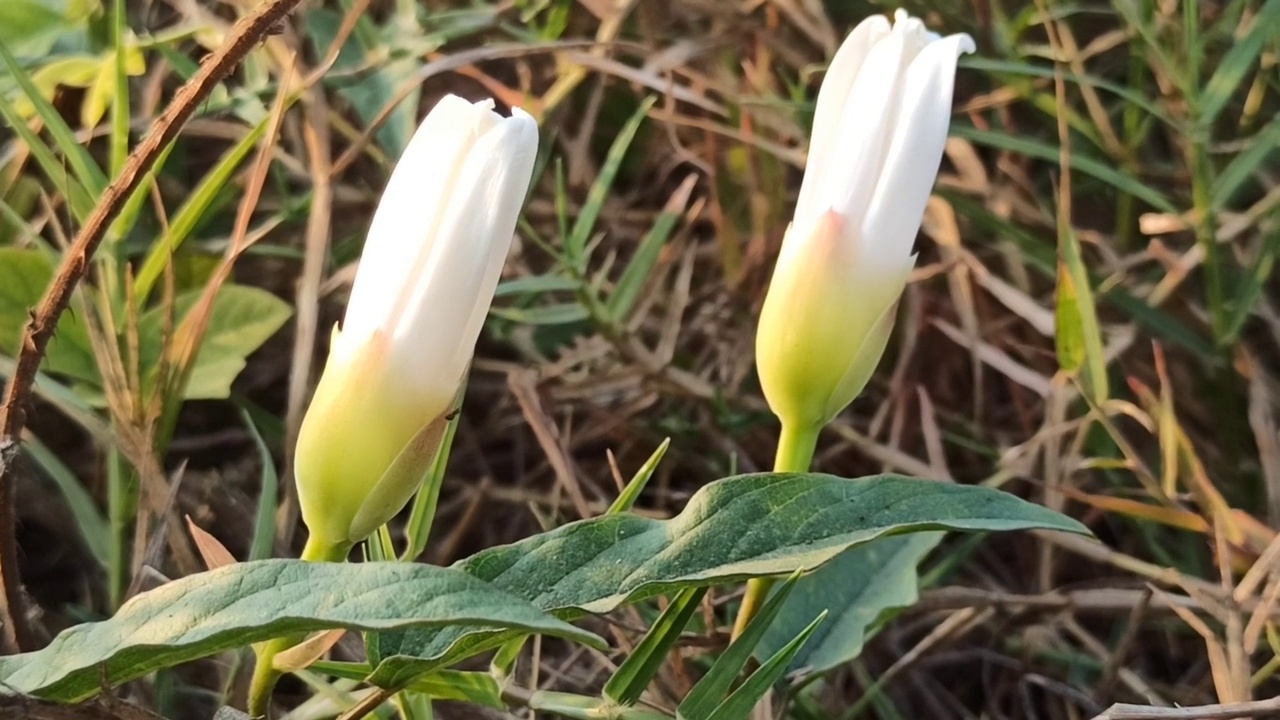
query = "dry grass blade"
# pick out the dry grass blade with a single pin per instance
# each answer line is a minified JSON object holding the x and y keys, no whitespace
{"x":307,"y":304}
{"x":523,"y":386}
{"x":1225,"y":711}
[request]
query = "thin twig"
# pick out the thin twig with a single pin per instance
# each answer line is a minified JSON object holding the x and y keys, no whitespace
{"x":247,"y":33}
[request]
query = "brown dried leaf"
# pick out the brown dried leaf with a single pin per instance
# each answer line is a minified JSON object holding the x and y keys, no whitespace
{"x":213,"y":552}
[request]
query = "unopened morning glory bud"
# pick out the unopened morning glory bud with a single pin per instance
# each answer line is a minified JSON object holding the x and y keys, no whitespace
{"x":430,"y":265}
{"x":878,"y":135}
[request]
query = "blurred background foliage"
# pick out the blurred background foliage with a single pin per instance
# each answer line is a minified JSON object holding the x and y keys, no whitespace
{"x":1091,"y":323}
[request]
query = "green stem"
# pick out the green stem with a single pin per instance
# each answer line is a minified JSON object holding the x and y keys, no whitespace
{"x":796,"y":445}
{"x":795,"y":448}
{"x":265,"y":676}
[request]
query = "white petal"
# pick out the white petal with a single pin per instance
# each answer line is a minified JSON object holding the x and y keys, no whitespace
{"x":853,"y":167}
{"x":521,"y":147}
{"x":404,"y":224}
{"x":915,"y":152}
{"x":452,"y":293}
{"x":914,"y":34}
{"x":832,"y":97}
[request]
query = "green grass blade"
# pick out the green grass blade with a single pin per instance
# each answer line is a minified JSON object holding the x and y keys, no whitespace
{"x":1010,"y":67}
{"x":133,"y":205}
{"x":82,"y":163}
{"x":1236,"y":64}
{"x":1050,"y":153}
{"x":584,"y":226}
{"x":1078,"y":336}
{"x":264,"y":522}
{"x":193,"y":210}
{"x":637,"y":671}
{"x":120,"y":96}
{"x":558,"y":314}
{"x":627,"y":291}
{"x":740,"y":703}
{"x":79,"y":201}
{"x":1253,"y":284}
{"x":1262,"y":151}
{"x":627,"y":498}
{"x":90,"y":521}
{"x":423,"y":513}
{"x":537,"y":284}
{"x":706,"y":696}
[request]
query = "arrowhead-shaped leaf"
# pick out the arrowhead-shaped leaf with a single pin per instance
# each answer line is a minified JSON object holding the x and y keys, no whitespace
{"x":250,"y":602}
{"x":733,"y":529}
{"x":857,"y":588}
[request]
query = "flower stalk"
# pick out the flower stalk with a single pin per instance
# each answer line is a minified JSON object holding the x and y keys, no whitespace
{"x":796,"y":445}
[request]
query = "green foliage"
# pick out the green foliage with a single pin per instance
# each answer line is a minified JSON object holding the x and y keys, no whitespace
{"x":631,"y":678}
{"x":631,"y":492}
{"x":250,"y":602}
{"x":242,"y":319}
{"x":575,"y":245}
{"x":857,"y":589}
{"x":31,"y":27}
{"x":24,"y":274}
{"x":732,"y":529}
{"x":1078,"y":334}
{"x":704,"y":701}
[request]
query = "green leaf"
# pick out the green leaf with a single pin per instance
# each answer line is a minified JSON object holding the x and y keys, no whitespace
{"x":367,"y":79}
{"x":634,"y":674}
{"x":1077,"y":334}
{"x":30,"y":27}
{"x":243,"y":318}
{"x":474,"y":687}
{"x":732,"y":529}
{"x":858,"y":588}
{"x":251,"y":602}
{"x":24,"y":275}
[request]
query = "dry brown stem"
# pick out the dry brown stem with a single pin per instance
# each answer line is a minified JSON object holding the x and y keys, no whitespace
{"x":15,"y":635}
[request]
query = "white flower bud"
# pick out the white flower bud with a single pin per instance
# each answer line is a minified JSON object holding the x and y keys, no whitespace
{"x":430,"y":265}
{"x":878,"y":135}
